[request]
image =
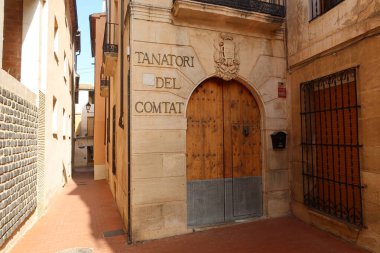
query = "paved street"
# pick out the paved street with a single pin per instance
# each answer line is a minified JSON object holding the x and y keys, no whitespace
{"x":77,"y":217}
{"x":85,"y":209}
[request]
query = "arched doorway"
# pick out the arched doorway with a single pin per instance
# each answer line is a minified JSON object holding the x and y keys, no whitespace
{"x":224,"y":180}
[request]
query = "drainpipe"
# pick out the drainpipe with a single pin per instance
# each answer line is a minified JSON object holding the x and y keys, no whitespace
{"x":121,"y":116}
{"x":129,"y":125}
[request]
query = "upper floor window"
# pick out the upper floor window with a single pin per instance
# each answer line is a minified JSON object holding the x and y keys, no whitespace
{"x":64,"y":123}
{"x":319,"y":7}
{"x":56,"y":39}
{"x":55,"y":118}
{"x":65,"y":67}
{"x":90,"y":126}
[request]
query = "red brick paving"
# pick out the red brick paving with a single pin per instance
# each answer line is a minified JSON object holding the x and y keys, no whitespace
{"x":281,"y":235}
{"x":85,"y":209}
{"x":77,"y":217}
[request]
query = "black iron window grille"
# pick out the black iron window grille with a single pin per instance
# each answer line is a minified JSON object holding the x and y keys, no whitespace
{"x":330,"y":146}
{"x":319,"y":7}
{"x":110,"y":44}
{"x":271,"y":7}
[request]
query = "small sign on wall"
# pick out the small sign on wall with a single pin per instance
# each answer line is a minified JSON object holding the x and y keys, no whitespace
{"x":281,"y":90}
{"x":149,"y":79}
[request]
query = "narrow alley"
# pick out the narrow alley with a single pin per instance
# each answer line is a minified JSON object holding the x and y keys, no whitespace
{"x":77,"y":217}
{"x":189,"y":126}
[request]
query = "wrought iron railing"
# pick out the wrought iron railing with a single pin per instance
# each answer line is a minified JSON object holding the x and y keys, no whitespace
{"x":271,"y":7}
{"x":331,"y":146}
{"x":110,"y":44}
{"x":319,"y":7}
{"x":104,"y":82}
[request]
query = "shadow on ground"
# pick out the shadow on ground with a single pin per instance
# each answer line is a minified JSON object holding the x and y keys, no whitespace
{"x":102,"y":214}
{"x":281,"y":235}
{"x":85,"y":209}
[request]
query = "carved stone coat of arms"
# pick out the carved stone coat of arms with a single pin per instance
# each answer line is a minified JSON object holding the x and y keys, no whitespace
{"x":226,"y":57}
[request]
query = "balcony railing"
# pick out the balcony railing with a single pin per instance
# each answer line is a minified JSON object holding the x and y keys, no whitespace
{"x":105,"y":82}
{"x":110,"y":38}
{"x":271,"y":7}
{"x":110,"y":48}
{"x":319,"y":7}
{"x":104,"y":86}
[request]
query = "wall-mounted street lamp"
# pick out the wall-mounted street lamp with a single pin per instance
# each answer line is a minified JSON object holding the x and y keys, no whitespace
{"x":88,"y":106}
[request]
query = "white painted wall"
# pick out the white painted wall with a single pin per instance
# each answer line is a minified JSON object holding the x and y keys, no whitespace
{"x":30,"y":56}
{"x":81,"y":108}
{"x":44,"y":46}
{"x":86,"y":114}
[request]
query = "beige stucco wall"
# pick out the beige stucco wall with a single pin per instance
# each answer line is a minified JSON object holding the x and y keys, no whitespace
{"x":365,"y":55}
{"x":119,"y":181}
{"x":57,"y":164}
{"x":99,"y":122}
{"x":342,"y":38}
{"x":158,"y":176}
{"x":348,"y":20}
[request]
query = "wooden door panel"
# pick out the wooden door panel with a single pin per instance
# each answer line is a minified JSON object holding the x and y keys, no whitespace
{"x":243,"y":148}
{"x":205,"y":172}
{"x":242,"y":128}
{"x":223,"y":154}
{"x":205,"y":132}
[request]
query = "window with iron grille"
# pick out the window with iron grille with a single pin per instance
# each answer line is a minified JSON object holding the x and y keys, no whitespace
{"x":330,"y":146}
{"x":319,"y":7}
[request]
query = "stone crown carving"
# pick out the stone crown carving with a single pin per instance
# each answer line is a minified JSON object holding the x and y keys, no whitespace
{"x":226,"y":57}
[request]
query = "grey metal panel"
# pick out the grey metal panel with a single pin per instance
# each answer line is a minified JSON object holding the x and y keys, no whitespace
{"x":229,"y":215}
{"x":247,"y":196}
{"x":205,"y":202}
{"x":220,"y":200}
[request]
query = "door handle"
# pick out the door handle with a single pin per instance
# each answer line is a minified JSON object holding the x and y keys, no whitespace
{"x":246,"y":131}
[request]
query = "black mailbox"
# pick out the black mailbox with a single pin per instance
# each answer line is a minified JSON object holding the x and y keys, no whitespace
{"x":278,"y":140}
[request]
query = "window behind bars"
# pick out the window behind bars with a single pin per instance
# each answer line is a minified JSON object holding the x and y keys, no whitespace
{"x":318,"y":7}
{"x":330,"y":146}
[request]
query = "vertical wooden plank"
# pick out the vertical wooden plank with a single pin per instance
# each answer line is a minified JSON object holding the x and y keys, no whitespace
{"x":242,"y":132}
{"x":242,"y":151}
{"x":205,"y":186}
{"x":205,"y":132}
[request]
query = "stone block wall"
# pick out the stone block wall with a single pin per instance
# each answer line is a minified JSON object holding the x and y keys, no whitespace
{"x":18,"y":159}
{"x":365,"y":55}
{"x":41,"y":135}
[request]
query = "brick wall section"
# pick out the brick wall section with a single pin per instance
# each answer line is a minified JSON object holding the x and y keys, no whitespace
{"x":13,"y":11}
{"x":41,"y":152}
{"x":18,"y":161}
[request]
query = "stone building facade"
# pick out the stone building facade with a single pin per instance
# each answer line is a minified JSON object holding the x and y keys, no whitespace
{"x":36,"y":80}
{"x":333,"y":52}
{"x":157,"y":114}
{"x":101,"y":86}
{"x":201,"y":92}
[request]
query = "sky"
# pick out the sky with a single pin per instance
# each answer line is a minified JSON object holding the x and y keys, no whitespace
{"x":85,"y":60}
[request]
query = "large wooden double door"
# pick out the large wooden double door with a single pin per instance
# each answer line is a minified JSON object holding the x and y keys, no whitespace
{"x":224,"y":180}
